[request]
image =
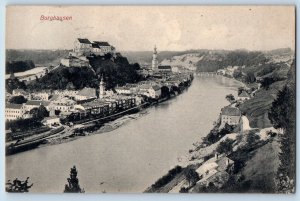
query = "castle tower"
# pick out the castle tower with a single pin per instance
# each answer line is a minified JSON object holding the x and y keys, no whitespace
{"x":154,"y":60}
{"x":101,"y":88}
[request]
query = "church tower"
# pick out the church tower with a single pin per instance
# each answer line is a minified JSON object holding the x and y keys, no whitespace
{"x":154,"y":60}
{"x":101,"y":88}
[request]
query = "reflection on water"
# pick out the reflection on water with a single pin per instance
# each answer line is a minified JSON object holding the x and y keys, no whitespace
{"x":133,"y":156}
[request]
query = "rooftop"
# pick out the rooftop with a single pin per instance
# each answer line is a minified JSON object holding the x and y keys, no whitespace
{"x":89,"y":92}
{"x":231,"y":111}
{"x":102,"y":43}
{"x":13,"y":106}
{"x":84,"y":40}
{"x":37,"y":102}
{"x":244,"y":94}
{"x":165,"y":67}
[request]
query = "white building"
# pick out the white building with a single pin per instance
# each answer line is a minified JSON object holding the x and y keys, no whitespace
{"x":104,"y":47}
{"x":14,"y":111}
{"x":51,"y":121}
{"x":86,"y":94}
{"x":230,"y":115}
{"x":150,"y":91}
{"x":123,"y":90}
{"x":64,"y":104}
{"x":30,"y":104}
{"x":43,"y":95}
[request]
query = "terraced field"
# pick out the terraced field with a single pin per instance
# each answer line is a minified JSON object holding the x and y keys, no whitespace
{"x":256,"y":109}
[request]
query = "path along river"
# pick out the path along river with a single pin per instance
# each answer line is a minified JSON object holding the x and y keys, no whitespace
{"x":132,"y":157}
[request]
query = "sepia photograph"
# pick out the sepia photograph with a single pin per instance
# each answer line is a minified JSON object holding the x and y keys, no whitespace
{"x":150,"y":99}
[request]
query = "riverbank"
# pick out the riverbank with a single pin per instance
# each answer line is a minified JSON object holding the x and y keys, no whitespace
{"x":85,"y":128}
{"x":246,"y":145}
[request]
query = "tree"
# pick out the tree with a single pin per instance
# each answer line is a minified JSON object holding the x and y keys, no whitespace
{"x":230,"y":98}
{"x":39,"y":113}
{"x":225,"y":146}
{"x":237,"y":74}
{"x":250,"y":77}
{"x":73,"y":183}
{"x":252,"y":138}
{"x":18,"y":100}
{"x":18,"y":186}
{"x":266,"y":82}
{"x":165,"y":91}
{"x":191,"y":176}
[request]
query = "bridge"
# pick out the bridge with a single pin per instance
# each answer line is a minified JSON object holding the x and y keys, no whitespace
{"x":205,"y":74}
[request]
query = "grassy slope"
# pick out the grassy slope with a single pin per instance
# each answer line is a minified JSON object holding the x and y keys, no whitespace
{"x":257,"y":108}
{"x":262,"y":167}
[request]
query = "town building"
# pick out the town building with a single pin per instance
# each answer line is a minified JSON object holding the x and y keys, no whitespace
{"x":104,"y":47}
{"x":30,"y":104}
{"x":86,"y":94}
{"x":82,"y":46}
{"x":150,"y":91}
{"x":123,"y":90}
{"x":72,"y":61}
{"x":14,"y":111}
{"x":42,"y":95}
{"x":164,"y":69}
{"x":230,"y":115}
{"x":215,"y":170}
{"x":96,"y":107}
{"x":51,"y":121}
{"x":64,"y":105}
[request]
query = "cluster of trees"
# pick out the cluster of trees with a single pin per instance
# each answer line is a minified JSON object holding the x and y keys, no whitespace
{"x":215,"y":134}
{"x":225,"y":146}
{"x":18,"y":186}
{"x":167,"y":178}
{"x":38,"y":114}
{"x":11,"y":84}
{"x":18,"y":66}
{"x":73,"y":183}
{"x":66,"y":78}
{"x":18,"y":99}
{"x":116,"y":71}
{"x":283,"y":115}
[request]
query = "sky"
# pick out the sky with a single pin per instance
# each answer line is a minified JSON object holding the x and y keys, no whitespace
{"x":139,"y":28}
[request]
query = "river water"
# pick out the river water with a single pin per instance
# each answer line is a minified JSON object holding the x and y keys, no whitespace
{"x":133,"y":156}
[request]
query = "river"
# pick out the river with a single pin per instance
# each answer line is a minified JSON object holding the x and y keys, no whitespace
{"x":133,"y":156}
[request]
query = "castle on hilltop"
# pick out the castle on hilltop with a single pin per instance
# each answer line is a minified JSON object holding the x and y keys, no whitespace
{"x":84,"y":48}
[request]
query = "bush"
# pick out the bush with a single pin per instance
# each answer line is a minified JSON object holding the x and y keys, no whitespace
{"x":225,"y":146}
{"x":167,"y":178}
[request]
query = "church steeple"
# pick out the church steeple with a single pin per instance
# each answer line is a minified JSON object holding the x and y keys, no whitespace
{"x":154,"y":59}
{"x":101,"y":87}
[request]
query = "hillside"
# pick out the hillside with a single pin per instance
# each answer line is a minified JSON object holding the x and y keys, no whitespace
{"x":116,"y":72}
{"x":40,"y":57}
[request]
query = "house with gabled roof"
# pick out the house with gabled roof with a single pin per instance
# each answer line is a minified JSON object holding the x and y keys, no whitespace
{"x":243,"y":96}
{"x":230,"y":115}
